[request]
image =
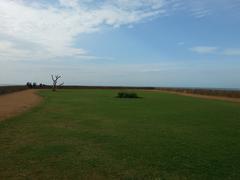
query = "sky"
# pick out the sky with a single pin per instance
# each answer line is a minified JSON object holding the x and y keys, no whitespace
{"x":170,"y":43}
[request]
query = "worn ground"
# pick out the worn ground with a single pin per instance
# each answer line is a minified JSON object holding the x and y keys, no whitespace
{"x":14,"y":103}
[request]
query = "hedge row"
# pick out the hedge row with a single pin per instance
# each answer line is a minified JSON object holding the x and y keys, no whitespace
{"x":207,"y":92}
{"x":10,"y":89}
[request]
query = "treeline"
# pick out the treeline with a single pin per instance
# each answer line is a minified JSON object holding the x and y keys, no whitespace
{"x":35,"y":85}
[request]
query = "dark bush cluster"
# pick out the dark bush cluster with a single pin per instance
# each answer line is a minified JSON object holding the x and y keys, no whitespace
{"x":127,"y":95}
{"x":35,"y":85}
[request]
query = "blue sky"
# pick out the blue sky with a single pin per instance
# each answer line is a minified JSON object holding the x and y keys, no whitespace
{"x":184,"y":43}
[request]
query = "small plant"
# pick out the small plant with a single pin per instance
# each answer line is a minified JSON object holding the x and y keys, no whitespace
{"x":127,"y":95}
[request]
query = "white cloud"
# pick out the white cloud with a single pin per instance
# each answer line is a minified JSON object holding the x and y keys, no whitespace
{"x":232,"y":52}
{"x":8,"y":50}
{"x":216,"y":50}
{"x":52,"y":29}
{"x":69,"y":3}
{"x":204,"y":49}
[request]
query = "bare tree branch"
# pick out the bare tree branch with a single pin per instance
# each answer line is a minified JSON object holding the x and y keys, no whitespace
{"x":57,"y":77}
{"x":54,"y":88}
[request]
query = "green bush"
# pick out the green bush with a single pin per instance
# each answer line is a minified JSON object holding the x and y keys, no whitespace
{"x":127,"y":95}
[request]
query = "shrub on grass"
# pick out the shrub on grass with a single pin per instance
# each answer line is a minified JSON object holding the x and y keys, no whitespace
{"x":127,"y":95}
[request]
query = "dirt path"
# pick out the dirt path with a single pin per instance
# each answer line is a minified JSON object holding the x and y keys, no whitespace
{"x":201,"y":96}
{"x":15,"y":103}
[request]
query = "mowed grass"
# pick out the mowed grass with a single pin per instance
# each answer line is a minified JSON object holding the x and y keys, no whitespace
{"x":90,"y":134}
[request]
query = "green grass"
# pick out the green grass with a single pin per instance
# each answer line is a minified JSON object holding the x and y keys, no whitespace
{"x":90,"y":134}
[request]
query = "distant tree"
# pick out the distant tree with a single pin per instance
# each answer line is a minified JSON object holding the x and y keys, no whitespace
{"x":55,"y":80}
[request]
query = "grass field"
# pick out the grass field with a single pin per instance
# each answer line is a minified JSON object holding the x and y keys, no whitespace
{"x":90,"y":134}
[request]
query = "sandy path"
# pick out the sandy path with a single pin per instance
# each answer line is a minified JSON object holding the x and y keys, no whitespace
{"x":17,"y":102}
{"x":201,"y":96}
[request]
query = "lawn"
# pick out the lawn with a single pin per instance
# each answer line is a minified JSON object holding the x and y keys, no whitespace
{"x":90,"y":134}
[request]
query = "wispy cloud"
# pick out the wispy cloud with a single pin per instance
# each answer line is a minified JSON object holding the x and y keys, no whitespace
{"x":216,"y":50}
{"x":204,"y":49}
{"x":204,"y":8}
{"x":232,"y":52}
{"x":181,"y":43}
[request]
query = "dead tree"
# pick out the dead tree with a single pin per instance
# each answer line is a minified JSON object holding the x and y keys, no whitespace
{"x":54,"y":87}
